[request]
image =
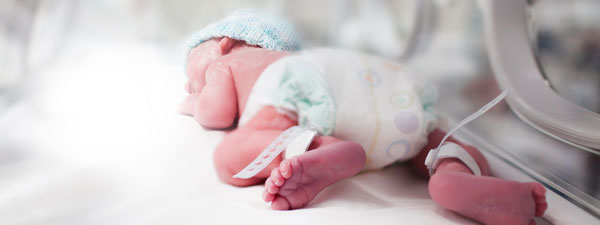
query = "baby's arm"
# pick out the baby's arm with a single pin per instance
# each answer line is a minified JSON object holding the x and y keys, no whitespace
{"x":242,"y":145}
{"x":217,"y":103}
{"x":212,"y":99}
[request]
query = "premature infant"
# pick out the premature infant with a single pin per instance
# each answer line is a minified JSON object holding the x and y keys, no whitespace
{"x":368,"y":111}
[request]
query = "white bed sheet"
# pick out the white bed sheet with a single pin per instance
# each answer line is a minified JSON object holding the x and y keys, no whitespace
{"x":96,"y":140}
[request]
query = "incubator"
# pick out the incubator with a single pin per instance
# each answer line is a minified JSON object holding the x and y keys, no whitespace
{"x":88,"y":91}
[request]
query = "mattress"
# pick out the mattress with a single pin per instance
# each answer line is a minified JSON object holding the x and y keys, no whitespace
{"x":95,"y":139}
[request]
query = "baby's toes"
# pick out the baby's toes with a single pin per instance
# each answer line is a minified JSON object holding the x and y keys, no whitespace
{"x":540,"y":206}
{"x":538,"y":190}
{"x":271,"y":187}
{"x":539,"y":195}
{"x":276,"y":177}
{"x":280,"y":203}
{"x":285,"y":168}
{"x":267,"y":197}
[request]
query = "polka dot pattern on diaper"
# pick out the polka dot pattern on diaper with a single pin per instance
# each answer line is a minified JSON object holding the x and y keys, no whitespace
{"x":402,"y":100}
{"x":407,"y":122}
{"x":391,"y":65}
{"x":398,"y":149}
{"x":370,"y":77}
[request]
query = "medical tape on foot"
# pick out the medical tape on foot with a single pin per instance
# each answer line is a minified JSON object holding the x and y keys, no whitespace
{"x":295,"y":141}
{"x":435,"y":156}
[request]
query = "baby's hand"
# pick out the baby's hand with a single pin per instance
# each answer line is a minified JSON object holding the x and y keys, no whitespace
{"x":212,"y":99}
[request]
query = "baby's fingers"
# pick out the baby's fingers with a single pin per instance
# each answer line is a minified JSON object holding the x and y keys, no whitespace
{"x":198,"y":60}
{"x":186,"y":106}
{"x":216,"y":107}
{"x":188,"y":87}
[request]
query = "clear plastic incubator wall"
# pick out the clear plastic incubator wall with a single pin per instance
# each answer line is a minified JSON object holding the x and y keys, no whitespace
{"x":88,"y":91}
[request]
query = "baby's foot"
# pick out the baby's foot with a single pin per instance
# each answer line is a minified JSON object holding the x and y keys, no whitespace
{"x":489,"y":200}
{"x":298,"y":180}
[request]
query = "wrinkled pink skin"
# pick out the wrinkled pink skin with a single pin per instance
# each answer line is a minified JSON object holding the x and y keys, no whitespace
{"x":221,"y":75}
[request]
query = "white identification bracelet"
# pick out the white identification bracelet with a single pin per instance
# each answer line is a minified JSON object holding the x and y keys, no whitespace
{"x":295,"y":141}
{"x":448,"y":150}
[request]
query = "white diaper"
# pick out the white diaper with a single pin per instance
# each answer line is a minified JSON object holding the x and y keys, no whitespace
{"x":351,"y":96}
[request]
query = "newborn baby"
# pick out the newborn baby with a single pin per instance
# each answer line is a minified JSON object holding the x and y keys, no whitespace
{"x":368,"y":111}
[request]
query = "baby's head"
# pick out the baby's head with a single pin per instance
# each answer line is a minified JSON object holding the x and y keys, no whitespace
{"x":242,"y":29}
{"x":253,"y":27}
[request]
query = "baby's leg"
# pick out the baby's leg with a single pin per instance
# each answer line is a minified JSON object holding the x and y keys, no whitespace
{"x":244,"y":144}
{"x":298,"y":180}
{"x":483,"y":198}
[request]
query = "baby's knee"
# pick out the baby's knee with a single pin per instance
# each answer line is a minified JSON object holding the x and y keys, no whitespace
{"x":232,"y":155}
{"x":227,"y":178}
{"x":225,"y":171}
{"x":357,"y":151}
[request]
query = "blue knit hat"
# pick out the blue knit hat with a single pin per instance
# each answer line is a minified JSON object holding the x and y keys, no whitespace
{"x":255,"y":28}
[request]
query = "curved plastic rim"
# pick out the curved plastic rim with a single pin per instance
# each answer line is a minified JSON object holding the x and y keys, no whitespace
{"x":514,"y":66}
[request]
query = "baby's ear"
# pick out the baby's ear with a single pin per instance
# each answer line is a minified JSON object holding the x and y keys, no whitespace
{"x":226,"y":44}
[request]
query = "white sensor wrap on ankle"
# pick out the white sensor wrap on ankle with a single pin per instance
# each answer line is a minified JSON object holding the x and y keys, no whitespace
{"x":451,"y":150}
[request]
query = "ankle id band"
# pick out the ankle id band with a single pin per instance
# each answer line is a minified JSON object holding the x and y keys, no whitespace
{"x":295,"y":141}
{"x":433,"y":157}
{"x":451,"y":150}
